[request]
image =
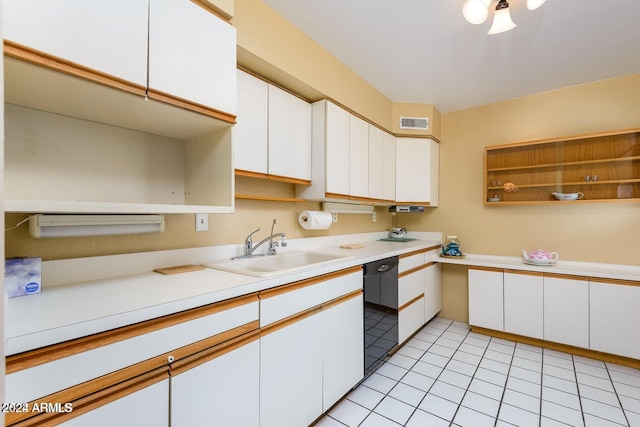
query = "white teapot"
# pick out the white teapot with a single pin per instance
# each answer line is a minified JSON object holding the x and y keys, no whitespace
{"x":540,"y":256}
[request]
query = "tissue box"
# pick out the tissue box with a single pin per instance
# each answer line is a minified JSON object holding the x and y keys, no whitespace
{"x":22,"y":276}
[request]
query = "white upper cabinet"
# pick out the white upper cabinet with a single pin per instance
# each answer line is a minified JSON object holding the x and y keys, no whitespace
{"x":250,"y":132}
{"x":289,"y":135}
{"x":109,"y":37}
{"x":336,"y":128}
{"x":192,"y":54}
{"x":351,"y":159}
{"x":376,"y":162}
{"x":358,"y":157}
{"x":389,"y":167}
{"x":273,"y":133}
{"x":417,"y":168}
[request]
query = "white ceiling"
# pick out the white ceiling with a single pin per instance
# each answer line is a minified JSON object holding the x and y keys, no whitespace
{"x":424,"y":51}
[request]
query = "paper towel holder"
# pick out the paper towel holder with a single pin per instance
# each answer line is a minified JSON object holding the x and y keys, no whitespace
{"x":349,"y":208}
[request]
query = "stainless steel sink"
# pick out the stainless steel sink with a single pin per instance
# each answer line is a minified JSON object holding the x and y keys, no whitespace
{"x":275,"y":265}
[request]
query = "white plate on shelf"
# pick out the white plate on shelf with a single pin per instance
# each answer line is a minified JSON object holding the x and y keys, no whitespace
{"x":539,"y":262}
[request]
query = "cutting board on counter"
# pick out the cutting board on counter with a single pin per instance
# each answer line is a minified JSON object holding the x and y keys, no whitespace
{"x":397,"y":239}
{"x":179,"y":269}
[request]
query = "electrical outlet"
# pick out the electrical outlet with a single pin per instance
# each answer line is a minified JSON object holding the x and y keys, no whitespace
{"x":202,"y":222}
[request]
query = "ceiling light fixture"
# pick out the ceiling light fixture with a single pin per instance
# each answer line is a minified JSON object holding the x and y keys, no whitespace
{"x":477,"y":12}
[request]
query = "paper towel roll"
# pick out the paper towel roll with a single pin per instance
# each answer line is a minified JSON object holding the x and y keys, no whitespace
{"x":315,"y":220}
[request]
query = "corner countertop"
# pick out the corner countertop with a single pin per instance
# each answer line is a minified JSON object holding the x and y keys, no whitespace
{"x":72,"y":310}
{"x":574,"y":268}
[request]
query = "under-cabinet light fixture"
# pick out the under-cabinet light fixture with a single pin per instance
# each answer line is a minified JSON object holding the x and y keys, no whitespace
{"x":44,"y":225}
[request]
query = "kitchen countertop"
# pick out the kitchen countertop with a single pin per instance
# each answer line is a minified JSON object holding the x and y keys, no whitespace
{"x":95,"y":299}
{"x":68,"y":311}
{"x":605,"y":271}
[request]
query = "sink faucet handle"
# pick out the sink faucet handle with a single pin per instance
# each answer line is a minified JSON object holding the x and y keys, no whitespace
{"x":248,"y":242}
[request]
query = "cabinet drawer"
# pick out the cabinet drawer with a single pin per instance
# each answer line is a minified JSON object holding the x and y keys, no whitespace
{"x":44,"y":371}
{"x":284,"y":301}
{"x":410,"y":319}
{"x":410,"y":261}
{"x":410,"y":286}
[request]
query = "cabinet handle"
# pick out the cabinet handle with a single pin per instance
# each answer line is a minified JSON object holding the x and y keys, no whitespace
{"x":170,"y":359}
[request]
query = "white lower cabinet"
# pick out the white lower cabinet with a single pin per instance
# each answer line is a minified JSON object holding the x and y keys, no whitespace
{"x":614,"y":317}
{"x":291,"y":375}
{"x":342,"y":349}
{"x":486,"y":298}
{"x":311,"y":347}
{"x":432,"y":291}
{"x":148,"y":407}
{"x":566,"y":310}
{"x":523,"y":300}
{"x":223,"y":391}
{"x":410,"y":319}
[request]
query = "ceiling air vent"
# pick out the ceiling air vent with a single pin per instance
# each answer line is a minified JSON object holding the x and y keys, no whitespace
{"x":417,"y":123}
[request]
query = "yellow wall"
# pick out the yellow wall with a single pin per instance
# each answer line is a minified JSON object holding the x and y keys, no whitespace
{"x":594,"y":232}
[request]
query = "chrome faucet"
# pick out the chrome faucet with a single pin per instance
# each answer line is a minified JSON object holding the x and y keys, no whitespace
{"x":249,"y":248}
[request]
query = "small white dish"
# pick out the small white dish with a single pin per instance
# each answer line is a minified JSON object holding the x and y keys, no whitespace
{"x":539,"y":262}
{"x":494,"y":199}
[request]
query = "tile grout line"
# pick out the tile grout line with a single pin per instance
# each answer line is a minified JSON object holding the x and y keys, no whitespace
{"x":613,"y":384}
{"x":372,"y":410}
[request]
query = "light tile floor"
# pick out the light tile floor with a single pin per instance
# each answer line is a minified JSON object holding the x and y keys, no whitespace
{"x":449,"y":376}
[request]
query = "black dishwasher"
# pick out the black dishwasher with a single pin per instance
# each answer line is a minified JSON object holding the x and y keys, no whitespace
{"x":380,"y":312}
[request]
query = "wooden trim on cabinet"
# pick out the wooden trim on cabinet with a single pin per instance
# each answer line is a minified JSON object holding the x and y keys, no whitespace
{"x":272,"y":292}
{"x":288,"y":179}
{"x":579,"y":351}
{"x":404,"y":135}
{"x":53,"y":352}
{"x":413,"y":203}
{"x":250,"y":174}
{"x":416,"y":299}
{"x":563,"y":139}
{"x":336,"y":196}
{"x":524,"y":272}
{"x":84,"y":398}
{"x":275,"y":326}
{"x":419,"y":251}
{"x":279,"y":178}
{"x":212,"y":10}
{"x":199,"y":358}
{"x":566,"y":276}
{"x":33,"y":56}
{"x":268,"y":198}
{"x":481,"y":268}
{"x":615,"y":281}
{"x":191,"y":106}
{"x":415,"y":269}
{"x":218,"y":344}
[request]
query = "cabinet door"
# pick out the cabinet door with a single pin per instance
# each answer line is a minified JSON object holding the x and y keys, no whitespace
{"x":410,"y":286}
{"x":566,"y":310}
{"x":486,"y":298}
{"x":110,"y":37}
{"x":413,"y":164}
{"x":432,"y":291}
{"x":614,"y":317}
{"x":342,"y":344}
{"x":192,"y":54}
{"x":410,"y":319}
{"x":289,"y":135}
{"x":148,"y":407}
{"x":376,"y":162}
{"x":225,"y":390}
{"x":250,"y":132}
{"x":337,"y":149}
{"x":291,"y":375}
{"x":523,"y":299}
{"x":358,"y":157}
{"x":389,"y":167}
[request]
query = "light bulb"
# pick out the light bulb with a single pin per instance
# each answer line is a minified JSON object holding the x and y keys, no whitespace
{"x":534,"y":4}
{"x":476,"y":11}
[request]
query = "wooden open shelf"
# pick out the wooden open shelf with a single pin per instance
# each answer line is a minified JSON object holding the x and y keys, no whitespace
{"x":604,"y":167}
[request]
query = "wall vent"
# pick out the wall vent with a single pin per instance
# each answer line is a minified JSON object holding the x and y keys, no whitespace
{"x":417,"y":123}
